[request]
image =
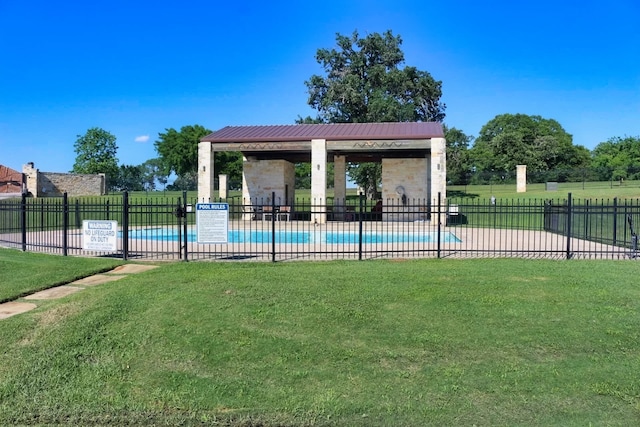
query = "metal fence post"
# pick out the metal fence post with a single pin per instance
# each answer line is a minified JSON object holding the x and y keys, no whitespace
{"x":273,"y":226}
{"x":184,"y":225}
{"x":23,"y":220}
{"x":65,"y":224}
{"x":569,"y":214}
{"x":615,"y":221}
{"x":439,"y":223}
{"x":360,"y":216}
{"x":78,"y":218}
{"x":125,"y":226}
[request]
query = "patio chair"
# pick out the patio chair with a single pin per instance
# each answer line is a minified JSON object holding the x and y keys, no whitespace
{"x":267,"y":213}
{"x":284,"y":213}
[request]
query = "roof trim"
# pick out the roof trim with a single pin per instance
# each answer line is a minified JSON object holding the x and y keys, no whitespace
{"x":330,"y":132}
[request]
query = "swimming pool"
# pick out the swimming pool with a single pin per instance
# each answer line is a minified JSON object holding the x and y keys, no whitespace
{"x":301,"y":237}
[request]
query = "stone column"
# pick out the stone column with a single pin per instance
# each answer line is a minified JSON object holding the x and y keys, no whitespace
{"x":339,"y":184}
{"x":438,"y":175}
{"x":31,"y":173}
{"x":222,"y":186}
{"x":521,"y":176}
{"x":318,"y":179}
{"x":205,"y":172}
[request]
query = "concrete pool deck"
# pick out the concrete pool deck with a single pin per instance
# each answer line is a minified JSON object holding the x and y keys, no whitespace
{"x":13,"y":308}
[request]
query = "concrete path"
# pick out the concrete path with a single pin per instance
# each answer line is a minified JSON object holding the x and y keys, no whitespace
{"x":12,"y":308}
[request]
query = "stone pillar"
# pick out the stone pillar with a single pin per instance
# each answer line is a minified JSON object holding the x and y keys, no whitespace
{"x":31,"y":174}
{"x":222,"y":186}
{"x":438,"y":174}
{"x":521,"y":174}
{"x":339,"y":184}
{"x":205,"y":172}
{"x":318,"y":179}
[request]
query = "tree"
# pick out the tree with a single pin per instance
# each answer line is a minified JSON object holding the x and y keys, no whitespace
{"x":364,"y":83}
{"x":618,"y":158}
{"x":129,"y":178}
{"x":542,"y":144}
{"x":154,"y":172}
{"x":96,"y":153}
{"x":368,"y":177}
{"x":178,"y":152}
{"x":230,"y":164}
{"x":186,"y":182}
{"x":458,"y":165}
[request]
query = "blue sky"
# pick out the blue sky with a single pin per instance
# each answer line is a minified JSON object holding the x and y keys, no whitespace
{"x":135,"y":68}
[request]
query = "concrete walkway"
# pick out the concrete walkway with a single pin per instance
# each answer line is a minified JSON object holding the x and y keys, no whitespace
{"x":12,"y":308}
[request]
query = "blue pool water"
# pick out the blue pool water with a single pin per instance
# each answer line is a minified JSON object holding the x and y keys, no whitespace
{"x":331,"y":237}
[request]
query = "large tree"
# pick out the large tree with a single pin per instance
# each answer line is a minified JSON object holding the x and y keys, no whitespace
{"x":178,"y":151}
{"x":458,"y":164}
{"x":364,"y":81}
{"x":130,"y":178}
{"x":618,"y":158}
{"x":519,"y":139}
{"x":96,"y":153}
{"x":154,"y":172}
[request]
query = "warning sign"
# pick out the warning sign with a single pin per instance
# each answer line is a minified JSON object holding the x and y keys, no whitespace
{"x":99,"y":235}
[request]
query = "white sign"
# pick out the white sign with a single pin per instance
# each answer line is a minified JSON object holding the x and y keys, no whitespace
{"x":212,"y":222}
{"x":99,"y":235}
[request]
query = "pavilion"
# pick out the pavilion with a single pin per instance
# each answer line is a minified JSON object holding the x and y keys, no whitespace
{"x":413,"y":157}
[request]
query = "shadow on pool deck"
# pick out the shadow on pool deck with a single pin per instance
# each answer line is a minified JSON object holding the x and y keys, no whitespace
{"x":12,"y":308}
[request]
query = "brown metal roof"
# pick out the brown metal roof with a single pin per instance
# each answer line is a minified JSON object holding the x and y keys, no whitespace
{"x":332,"y":132}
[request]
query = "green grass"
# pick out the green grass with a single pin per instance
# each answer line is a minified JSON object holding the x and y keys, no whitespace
{"x":23,"y":273}
{"x":421,"y":342}
{"x":586,"y":190}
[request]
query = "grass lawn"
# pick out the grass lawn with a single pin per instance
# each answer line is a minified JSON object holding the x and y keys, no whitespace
{"x":420,"y":342}
{"x":24,"y":273}
{"x":578,"y":190}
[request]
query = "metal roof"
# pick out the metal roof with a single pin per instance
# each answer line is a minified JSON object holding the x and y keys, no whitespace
{"x":332,"y":132}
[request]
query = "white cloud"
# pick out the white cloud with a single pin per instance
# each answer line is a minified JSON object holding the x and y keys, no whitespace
{"x":142,"y":138}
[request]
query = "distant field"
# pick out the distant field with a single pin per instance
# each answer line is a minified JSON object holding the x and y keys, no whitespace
{"x":593,"y":190}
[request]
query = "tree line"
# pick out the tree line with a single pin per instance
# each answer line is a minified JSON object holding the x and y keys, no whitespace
{"x":364,"y":79}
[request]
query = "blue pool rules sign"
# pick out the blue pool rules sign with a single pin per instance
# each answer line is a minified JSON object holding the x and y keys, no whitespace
{"x":212,"y":222}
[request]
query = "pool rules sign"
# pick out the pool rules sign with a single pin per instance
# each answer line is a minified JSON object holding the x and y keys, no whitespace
{"x":99,"y":235}
{"x":212,"y":222}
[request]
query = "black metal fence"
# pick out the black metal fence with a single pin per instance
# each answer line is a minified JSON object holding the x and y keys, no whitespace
{"x":161,"y":228}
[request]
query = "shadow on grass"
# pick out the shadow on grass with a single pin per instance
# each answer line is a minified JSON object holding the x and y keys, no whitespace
{"x":451,"y":194}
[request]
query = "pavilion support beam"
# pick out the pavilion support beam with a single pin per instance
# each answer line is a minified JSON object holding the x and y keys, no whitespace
{"x":319,"y":180}
{"x":339,"y":186}
{"x":340,"y":178}
{"x":438,"y":175}
{"x":205,"y":172}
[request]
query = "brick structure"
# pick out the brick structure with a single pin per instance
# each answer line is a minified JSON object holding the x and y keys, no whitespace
{"x":11,"y":182}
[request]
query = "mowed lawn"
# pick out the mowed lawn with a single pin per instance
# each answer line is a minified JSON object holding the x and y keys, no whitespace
{"x":23,"y":273}
{"x":402,"y":343}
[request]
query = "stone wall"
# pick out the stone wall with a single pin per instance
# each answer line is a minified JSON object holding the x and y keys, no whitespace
{"x":405,"y":185}
{"x":261,"y":178}
{"x":49,"y":184}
